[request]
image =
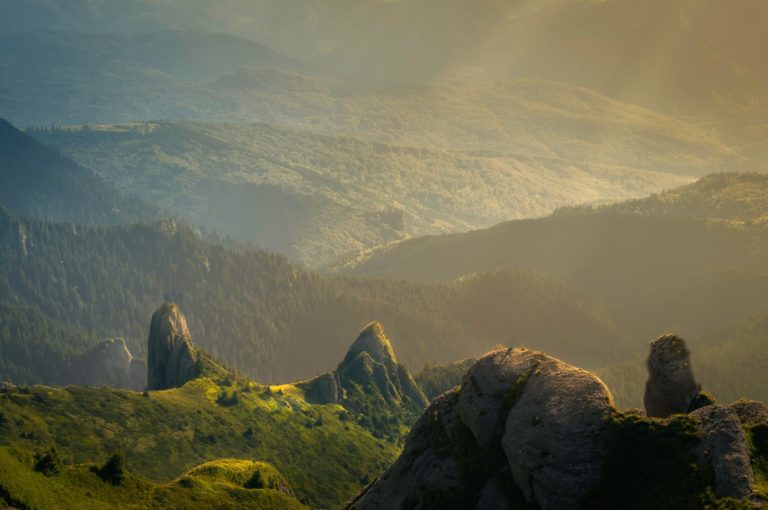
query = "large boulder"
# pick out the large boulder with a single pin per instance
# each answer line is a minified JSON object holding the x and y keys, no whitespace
{"x":671,"y":387}
{"x":524,"y":428}
{"x":555,"y":434}
{"x":491,"y":387}
{"x":527,"y":431}
{"x":424,"y":476}
{"x":110,"y":363}
{"x":323,"y":389}
{"x":724,"y":448}
{"x":173,"y":359}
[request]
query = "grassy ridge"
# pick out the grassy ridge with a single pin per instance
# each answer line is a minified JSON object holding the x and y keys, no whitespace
{"x":215,"y":485}
{"x":164,"y":434}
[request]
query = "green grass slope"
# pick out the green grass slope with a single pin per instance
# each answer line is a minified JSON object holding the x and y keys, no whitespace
{"x":325,"y":456}
{"x":219,"y":484}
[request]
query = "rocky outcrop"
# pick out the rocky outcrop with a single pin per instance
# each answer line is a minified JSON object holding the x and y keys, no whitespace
{"x":425,"y":472}
{"x":519,"y":416}
{"x":379,"y":392}
{"x":525,"y":430}
{"x":323,"y":389}
{"x":724,"y":448}
{"x":110,"y":363}
{"x":173,"y":360}
{"x":555,"y":434}
{"x":371,"y":363}
{"x":671,"y":387}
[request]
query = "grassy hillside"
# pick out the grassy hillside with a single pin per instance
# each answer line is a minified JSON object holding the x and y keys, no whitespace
{"x":219,"y":484}
{"x":164,"y":434}
{"x":256,"y":311}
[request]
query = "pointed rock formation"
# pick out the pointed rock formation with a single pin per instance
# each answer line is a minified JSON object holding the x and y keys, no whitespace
{"x":110,"y":363}
{"x":173,"y":359}
{"x":375,"y":343}
{"x":371,"y":384}
{"x":671,"y":387}
{"x":370,"y":362}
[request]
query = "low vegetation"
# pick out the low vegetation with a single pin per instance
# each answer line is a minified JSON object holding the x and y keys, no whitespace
{"x":215,"y":485}
{"x":158,"y":436}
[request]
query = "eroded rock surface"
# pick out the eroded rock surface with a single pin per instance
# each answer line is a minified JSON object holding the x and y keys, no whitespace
{"x":173,"y":359}
{"x":671,"y":387}
{"x":110,"y":363}
{"x":527,"y":431}
{"x":724,"y":447}
{"x":549,"y":417}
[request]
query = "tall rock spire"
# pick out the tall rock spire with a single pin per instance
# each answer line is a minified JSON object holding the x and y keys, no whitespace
{"x":173,"y":359}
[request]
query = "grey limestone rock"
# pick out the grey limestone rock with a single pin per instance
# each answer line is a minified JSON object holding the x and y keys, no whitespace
{"x":173,"y":359}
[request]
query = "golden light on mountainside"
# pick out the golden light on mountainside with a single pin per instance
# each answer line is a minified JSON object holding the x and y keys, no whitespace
{"x":523,"y":193}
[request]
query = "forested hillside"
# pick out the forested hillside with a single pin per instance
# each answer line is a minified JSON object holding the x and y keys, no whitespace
{"x":35,"y":180}
{"x":693,"y":260}
{"x":739,"y":199}
{"x":426,"y":160}
{"x":257,"y":311}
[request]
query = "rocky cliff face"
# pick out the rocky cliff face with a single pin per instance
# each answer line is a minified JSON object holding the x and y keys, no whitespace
{"x":110,"y":363}
{"x":173,"y":360}
{"x":527,"y":431}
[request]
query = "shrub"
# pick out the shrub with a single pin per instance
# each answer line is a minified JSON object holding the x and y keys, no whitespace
{"x":48,"y":463}
{"x":114,"y":470}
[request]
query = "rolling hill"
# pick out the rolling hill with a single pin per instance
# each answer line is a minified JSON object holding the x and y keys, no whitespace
{"x":691,"y":260}
{"x":187,"y":447}
{"x":445,"y":158}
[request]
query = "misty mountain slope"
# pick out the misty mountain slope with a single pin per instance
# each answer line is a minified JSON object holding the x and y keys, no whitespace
{"x":739,"y":199}
{"x":315,"y":197}
{"x":658,"y":53}
{"x":658,"y":269}
{"x":36,"y":180}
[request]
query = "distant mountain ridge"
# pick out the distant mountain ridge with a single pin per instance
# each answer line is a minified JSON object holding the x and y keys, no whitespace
{"x":657,"y":53}
{"x":691,"y":259}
